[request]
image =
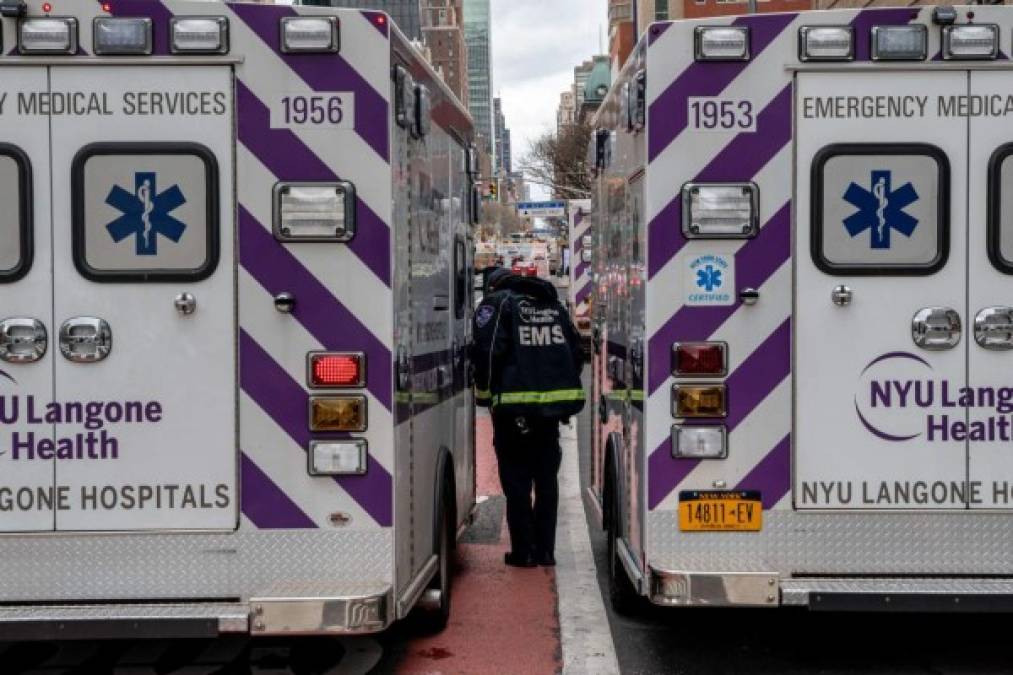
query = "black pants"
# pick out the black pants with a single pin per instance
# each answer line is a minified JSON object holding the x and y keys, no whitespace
{"x":529,"y":457}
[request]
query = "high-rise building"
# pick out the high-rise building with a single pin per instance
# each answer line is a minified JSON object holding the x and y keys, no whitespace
{"x":504,"y":160}
{"x":567,"y":112}
{"x":591,"y":80}
{"x":444,"y":36}
{"x":407,"y":14}
{"x":478,"y":39}
{"x":622,"y":31}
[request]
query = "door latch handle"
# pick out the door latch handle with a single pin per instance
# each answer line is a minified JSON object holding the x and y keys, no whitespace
{"x":936,"y":328}
{"x":993,"y":328}
{"x":22,"y":340}
{"x":85,"y":339}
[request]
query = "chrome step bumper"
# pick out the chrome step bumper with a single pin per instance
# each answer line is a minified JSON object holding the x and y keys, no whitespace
{"x":899,"y":595}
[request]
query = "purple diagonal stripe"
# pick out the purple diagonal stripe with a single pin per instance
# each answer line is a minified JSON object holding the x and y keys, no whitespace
{"x":740,"y":160}
{"x":656,"y":31}
{"x":155,"y":11}
{"x":324,"y":73}
{"x":322,"y":314}
{"x":748,"y":386}
{"x":581,"y":269}
{"x":288,"y":158}
{"x":866,"y":19}
{"x":285,"y":401}
{"x":754,"y":264}
{"x":772,"y":476}
{"x":379,"y":20}
{"x":669,"y":112}
{"x":583,"y":293}
{"x":264,"y":503}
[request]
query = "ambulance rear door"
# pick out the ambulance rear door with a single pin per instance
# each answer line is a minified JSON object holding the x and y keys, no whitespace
{"x":26,"y":309}
{"x":145,"y":313}
{"x":881,"y":274}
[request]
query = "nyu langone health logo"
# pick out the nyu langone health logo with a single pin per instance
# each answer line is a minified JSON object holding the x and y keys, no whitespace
{"x":880,"y":209}
{"x":146,"y":213}
{"x":899,"y":399}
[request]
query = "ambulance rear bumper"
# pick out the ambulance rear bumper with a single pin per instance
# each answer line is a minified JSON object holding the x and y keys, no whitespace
{"x":346,"y":615}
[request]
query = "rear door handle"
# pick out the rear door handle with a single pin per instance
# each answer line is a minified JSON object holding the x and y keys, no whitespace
{"x":85,"y":339}
{"x":22,"y":340}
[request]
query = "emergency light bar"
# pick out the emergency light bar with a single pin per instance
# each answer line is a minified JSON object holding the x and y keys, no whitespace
{"x":199,"y":34}
{"x":693,"y":442}
{"x":826,"y":43}
{"x":49,"y":35}
{"x":720,"y":210}
{"x":900,"y":43}
{"x":314,"y":211}
{"x":337,"y":458}
{"x":978,"y":41}
{"x":115,"y":35}
{"x":722,"y":43}
{"x":310,"y":34}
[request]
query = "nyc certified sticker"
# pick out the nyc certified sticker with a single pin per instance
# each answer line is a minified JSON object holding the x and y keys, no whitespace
{"x":710,"y":280}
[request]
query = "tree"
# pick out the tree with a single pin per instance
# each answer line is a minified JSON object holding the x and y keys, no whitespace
{"x":559,"y":161}
{"x":499,"y":219}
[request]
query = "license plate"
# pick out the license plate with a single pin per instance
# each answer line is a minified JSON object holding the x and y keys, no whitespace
{"x":740,"y":511}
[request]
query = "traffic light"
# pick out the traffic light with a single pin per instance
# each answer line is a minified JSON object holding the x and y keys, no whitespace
{"x":493,"y":190}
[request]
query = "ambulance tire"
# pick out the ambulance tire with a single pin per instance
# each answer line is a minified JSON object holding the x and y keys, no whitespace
{"x":623,"y":596}
{"x":434,"y":619}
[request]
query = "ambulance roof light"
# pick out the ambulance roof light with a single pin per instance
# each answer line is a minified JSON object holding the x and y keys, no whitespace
{"x":977,"y":41}
{"x":319,"y":34}
{"x":199,"y":34}
{"x":49,"y":35}
{"x":122,"y":35}
{"x":826,"y":43}
{"x":944,"y":15}
{"x":721,"y":43}
{"x":900,"y":43}
{"x":13,"y":8}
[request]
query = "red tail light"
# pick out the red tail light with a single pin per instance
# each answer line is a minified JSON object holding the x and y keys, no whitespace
{"x":699,"y":358}
{"x":331,"y":370}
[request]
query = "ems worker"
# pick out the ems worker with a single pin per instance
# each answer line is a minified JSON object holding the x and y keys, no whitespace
{"x":528,"y":360}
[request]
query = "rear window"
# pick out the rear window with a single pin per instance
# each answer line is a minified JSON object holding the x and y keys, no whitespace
{"x":880,"y":209}
{"x":15,"y":216}
{"x":145,"y":212}
{"x":1000,"y":201}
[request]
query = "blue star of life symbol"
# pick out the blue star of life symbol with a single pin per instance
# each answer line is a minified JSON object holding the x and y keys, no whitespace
{"x":146,"y":213}
{"x":709,"y":278}
{"x":881,"y":209}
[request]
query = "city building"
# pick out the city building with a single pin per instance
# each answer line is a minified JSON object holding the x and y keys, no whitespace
{"x":444,"y":36}
{"x":478,"y":40}
{"x":504,"y":160}
{"x":573,"y":107}
{"x":596,"y":87}
{"x":407,"y":14}
{"x":622,"y":31}
{"x":567,"y":111}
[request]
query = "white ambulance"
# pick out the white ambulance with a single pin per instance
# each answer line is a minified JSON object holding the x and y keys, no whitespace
{"x":235,"y":298}
{"x":804,"y":237}
{"x":581,"y":249}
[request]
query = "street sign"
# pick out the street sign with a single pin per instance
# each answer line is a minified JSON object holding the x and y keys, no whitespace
{"x":541,"y":209}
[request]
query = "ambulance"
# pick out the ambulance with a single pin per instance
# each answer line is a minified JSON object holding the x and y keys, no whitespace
{"x":579,"y":294}
{"x":235,"y":298}
{"x":804,"y":242}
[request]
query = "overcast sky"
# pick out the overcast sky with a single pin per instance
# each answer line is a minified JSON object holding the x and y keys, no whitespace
{"x":535,"y":45}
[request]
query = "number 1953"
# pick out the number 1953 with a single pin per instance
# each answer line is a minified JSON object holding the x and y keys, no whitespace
{"x":721,"y":114}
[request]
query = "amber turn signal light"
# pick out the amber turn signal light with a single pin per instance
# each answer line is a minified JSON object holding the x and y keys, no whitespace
{"x":699,"y":401}
{"x":338,"y":413}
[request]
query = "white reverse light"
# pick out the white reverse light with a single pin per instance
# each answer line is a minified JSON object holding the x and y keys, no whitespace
{"x":900,"y":43}
{"x":50,"y":35}
{"x":722,"y":43}
{"x":720,"y":210}
{"x":310,"y":34}
{"x":335,"y":458}
{"x":314,"y":211}
{"x":699,"y":442}
{"x":978,"y":41}
{"x":115,"y":35}
{"x":200,"y":35}
{"x":826,"y":43}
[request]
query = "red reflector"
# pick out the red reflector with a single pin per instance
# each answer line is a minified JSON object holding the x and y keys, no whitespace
{"x":47,"y":8}
{"x":381,"y":19}
{"x":337,"y":370}
{"x":699,"y":358}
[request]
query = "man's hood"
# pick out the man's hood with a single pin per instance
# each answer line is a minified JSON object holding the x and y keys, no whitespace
{"x":539,"y":289}
{"x":494,"y":277}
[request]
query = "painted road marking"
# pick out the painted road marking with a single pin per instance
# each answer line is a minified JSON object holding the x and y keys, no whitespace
{"x":584,"y":628}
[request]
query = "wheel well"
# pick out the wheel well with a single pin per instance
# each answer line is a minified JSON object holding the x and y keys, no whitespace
{"x":446,"y":484}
